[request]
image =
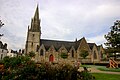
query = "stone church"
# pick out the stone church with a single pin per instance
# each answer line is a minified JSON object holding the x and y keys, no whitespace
{"x":51,"y":50}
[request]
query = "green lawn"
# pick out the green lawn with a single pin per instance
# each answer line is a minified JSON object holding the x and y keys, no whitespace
{"x":103,"y":76}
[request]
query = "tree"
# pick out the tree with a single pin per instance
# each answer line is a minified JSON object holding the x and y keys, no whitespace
{"x":113,"y":38}
{"x":1,"y":25}
{"x":15,"y":67}
{"x":23,"y":68}
{"x":64,"y":55}
{"x":31,"y":54}
{"x":84,"y":53}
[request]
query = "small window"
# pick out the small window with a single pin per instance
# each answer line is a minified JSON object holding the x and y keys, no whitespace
{"x":1,"y":56}
{"x":32,"y":44}
{"x":33,"y":35}
{"x":2,"y":51}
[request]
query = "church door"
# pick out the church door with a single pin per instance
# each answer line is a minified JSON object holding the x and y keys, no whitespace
{"x":51,"y":58}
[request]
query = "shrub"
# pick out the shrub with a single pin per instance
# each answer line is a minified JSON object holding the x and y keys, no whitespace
{"x":31,"y":54}
{"x":23,"y":68}
{"x":84,"y":53}
{"x":64,"y":55}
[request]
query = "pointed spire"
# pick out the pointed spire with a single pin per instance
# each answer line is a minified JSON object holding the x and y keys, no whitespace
{"x":36,"y":16}
{"x":35,"y":21}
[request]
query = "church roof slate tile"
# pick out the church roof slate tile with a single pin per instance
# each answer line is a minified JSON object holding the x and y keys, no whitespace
{"x":57,"y":44}
{"x":91,"y":45}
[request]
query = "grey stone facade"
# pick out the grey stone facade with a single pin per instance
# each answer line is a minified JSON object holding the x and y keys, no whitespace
{"x":33,"y":34}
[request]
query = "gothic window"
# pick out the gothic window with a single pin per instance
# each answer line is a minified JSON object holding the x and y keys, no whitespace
{"x":95,"y":56}
{"x":37,"y":49}
{"x":72,"y":53}
{"x":101,"y":54}
{"x":41,"y":52}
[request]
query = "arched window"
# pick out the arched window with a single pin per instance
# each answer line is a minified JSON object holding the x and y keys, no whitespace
{"x":37,"y":49}
{"x":101,"y":54}
{"x":95,"y":56}
{"x":72,"y":53}
{"x":41,"y":52}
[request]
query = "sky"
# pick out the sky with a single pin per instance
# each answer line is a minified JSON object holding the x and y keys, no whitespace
{"x":60,"y":19}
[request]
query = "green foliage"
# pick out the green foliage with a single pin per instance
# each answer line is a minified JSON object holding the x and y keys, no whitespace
{"x":31,"y":54}
{"x":13,"y":66}
{"x":113,"y":38}
{"x":86,"y":76}
{"x":27,"y":72}
{"x":64,"y":55}
{"x":84,"y":53}
{"x":13,"y":62}
{"x":6,"y":61}
{"x":23,"y":68}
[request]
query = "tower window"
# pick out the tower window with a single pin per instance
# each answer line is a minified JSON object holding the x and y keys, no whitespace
{"x":32,"y":44}
{"x":33,"y":35}
{"x":37,"y":49}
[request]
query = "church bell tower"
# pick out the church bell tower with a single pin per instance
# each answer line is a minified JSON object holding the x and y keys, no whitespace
{"x":33,"y":34}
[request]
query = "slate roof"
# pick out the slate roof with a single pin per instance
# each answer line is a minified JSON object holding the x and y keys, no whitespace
{"x":98,"y":47}
{"x":91,"y":45}
{"x":58,"y":44}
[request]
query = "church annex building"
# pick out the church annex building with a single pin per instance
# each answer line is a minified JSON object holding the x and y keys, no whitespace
{"x":51,"y":50}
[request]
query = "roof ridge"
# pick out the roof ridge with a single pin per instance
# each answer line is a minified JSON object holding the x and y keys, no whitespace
{"x":57,"y":40}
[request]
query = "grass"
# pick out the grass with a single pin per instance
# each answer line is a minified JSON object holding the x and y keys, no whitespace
{"x":103,"y":76}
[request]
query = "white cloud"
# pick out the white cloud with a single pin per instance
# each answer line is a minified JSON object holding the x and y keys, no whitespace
{"x":60,"y":19}
{"x":97,"y":39}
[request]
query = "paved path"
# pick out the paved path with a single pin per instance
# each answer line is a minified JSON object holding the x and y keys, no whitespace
{"x":95,"y":70}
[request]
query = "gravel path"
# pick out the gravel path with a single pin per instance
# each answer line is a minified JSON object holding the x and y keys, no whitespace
{"x":95,"y":70}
